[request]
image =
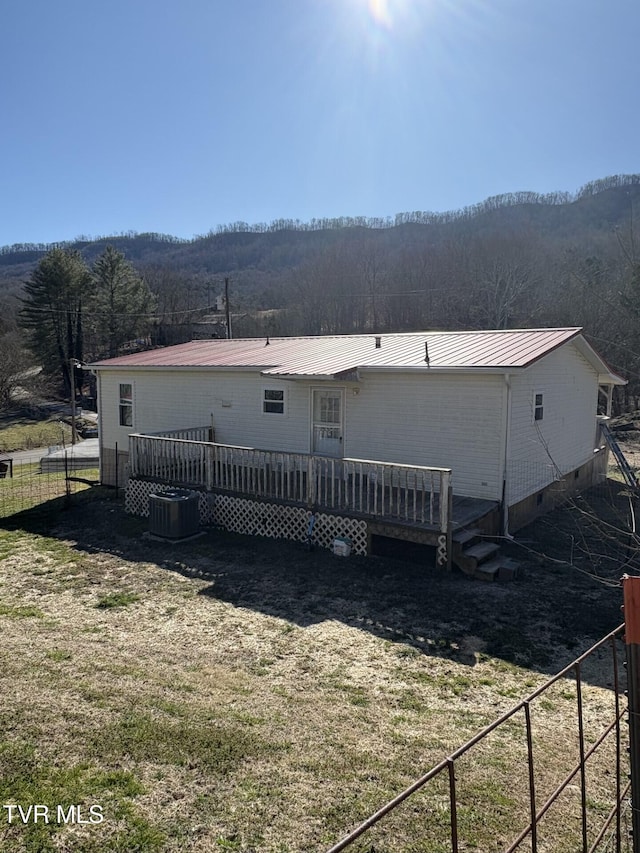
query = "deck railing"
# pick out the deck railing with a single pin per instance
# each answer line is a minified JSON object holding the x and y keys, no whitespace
{"x":411,"y":493}
{"x":203,"y":433}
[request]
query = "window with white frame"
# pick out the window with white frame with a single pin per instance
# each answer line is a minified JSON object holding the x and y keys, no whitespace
{"x":126,"y":404}
{"x":273,"y":401}
{"x":538,"y":407}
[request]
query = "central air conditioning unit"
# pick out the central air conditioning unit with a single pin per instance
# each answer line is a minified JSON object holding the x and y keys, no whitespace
{"x":174,"y":514}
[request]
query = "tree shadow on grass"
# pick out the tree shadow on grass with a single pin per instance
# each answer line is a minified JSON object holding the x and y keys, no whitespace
{"x":543,"y":620}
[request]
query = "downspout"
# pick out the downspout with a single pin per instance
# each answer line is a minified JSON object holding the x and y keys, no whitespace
{"x":100,"y":424}
{"x":505,"y":460}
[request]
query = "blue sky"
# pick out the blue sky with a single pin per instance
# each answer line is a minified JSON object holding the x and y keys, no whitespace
{"x":180,"y":115}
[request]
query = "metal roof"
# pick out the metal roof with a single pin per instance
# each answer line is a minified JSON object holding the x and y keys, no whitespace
{"x":331,"y":356}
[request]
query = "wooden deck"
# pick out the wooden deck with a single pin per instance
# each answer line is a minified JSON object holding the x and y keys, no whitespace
{"x":466,"y":513}
{"x":471,"y":511}
{"x":368,"y":488}
{"x":410,"y":502}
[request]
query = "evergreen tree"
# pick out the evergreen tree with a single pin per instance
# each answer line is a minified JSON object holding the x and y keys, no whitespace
{"x":121,"y":303}
{"x":51,"y":314}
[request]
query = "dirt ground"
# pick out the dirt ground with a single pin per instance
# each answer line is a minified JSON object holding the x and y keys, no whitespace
{"x":538,"y":621}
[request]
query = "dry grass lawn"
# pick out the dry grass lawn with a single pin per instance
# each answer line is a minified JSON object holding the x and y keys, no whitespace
{"x":236,"y":694}
{"x":28,"y":432}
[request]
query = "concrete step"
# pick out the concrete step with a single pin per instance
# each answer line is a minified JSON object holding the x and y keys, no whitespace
{"x":508,"y":570}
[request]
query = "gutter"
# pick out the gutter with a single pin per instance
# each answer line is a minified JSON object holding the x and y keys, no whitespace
{"x":273,"y":372}
{"x":200,"y":368}
{"x":425,"y":371}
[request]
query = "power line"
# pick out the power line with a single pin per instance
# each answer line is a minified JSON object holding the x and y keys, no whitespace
{"x":157,"y":314}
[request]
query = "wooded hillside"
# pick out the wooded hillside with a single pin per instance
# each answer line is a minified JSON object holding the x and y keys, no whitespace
{"x":518,"y":260}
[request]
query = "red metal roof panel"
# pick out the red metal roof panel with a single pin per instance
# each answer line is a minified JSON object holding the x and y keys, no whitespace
{"x":332,"y":354}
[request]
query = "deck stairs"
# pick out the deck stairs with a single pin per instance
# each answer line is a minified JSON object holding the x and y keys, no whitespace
{"x":478,"y":557}
{"x":627,"y":472}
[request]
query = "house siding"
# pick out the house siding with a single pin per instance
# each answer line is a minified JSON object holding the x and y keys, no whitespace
{"x":171,"y":400}
{"x":391,"y":417}
{"x":444,"y":420}
{"x":541,"y":451}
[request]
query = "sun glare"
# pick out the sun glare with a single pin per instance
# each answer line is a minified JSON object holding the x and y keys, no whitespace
{"x":380,"y":11}
{"x":395,"y":14}
{"x":379,"y":32}
{"x":398,"y":16}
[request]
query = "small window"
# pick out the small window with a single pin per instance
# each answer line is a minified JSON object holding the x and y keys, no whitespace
{"x":273,"y":401}
{"x":538,"y":408}
{"x":126,"y":405}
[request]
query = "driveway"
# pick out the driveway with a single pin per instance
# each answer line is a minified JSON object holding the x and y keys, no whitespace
{"x":25,"y":457}
{"x":28,"y":457}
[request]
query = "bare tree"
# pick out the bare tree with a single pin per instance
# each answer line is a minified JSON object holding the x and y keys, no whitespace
{"x":505,"y":271}
{"x":15,"y":366}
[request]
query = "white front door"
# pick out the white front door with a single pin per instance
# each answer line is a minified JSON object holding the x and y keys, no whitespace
{"x":327,"y":412}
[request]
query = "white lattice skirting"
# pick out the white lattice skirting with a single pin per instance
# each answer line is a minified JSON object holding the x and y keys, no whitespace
{"x":241,"y":515}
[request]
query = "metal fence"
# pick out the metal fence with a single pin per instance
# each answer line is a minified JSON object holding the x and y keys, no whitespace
{"x":590,"y":828}
{"x":26,"y":487}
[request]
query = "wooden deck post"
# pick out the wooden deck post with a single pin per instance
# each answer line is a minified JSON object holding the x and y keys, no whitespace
{"x":133,"y":455}
{"x":132,"y":452}
{"x":445,"y":509}
{"x":209,"y":464}
{"x":311,"y":481}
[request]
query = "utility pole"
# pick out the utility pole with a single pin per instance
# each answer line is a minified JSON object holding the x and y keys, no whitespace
{"x":72,"y":365}
{"x":227,"y":308}
{"x":631,"y":592}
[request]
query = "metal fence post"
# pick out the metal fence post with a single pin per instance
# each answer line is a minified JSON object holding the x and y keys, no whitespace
{"x":631,"y":593}
{"x":67,"y":483}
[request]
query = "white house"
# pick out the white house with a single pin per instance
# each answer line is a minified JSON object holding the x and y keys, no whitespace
{"x":512,"y":413}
